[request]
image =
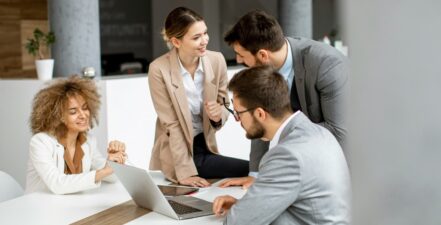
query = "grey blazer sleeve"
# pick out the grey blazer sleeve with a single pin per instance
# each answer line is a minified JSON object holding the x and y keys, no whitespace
{"x":333,"y":85}
{"x":278,"y":186}
{"x":258,"y":149}
{"x":325,"y":92}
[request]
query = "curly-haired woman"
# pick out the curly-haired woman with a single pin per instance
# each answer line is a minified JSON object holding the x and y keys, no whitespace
{"x":63,"y":157}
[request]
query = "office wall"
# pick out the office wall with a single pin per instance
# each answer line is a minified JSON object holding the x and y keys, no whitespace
{"x":14,"y":121}
{"x":325,"y":18}
{"x":395,"y":128}
{"x":125,"y":27}
{"x":130,"y":117}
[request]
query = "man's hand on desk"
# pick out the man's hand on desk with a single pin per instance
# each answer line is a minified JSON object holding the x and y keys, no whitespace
{"x":222,"y":204}
{"x":245,"y":182}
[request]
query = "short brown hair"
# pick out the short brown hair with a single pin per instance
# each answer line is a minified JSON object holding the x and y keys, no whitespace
{"x":49,"y":104}
{"x":178,"y":22}
{"x":256,"y":30}
{"x":263,"y":87}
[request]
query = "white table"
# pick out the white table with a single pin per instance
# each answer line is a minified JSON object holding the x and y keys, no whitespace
{"x":46,"y":208}
{"x":208,"y":194}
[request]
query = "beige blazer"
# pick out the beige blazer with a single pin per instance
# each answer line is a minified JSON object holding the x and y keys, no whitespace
{"x":173,"y":148}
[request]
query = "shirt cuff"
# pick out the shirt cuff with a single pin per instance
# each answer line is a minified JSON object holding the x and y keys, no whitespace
{"x":253,"y":174}
{"x":216,"y":124}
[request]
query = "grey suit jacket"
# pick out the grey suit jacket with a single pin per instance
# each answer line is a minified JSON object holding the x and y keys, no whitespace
{"x":304,"y":179}
{"x":322,"y":80}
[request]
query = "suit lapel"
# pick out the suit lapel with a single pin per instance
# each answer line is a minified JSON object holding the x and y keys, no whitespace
{"x":299,"y":72}
{"x":180,"y":95}
{"x":210,"y":88}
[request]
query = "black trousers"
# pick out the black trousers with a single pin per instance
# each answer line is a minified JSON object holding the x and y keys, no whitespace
{"x":211,"y":165}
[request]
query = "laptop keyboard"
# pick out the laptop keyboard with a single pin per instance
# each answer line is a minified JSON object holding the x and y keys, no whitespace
{"x":182,"y":209}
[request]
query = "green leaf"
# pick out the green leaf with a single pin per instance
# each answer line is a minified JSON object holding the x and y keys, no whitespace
{"x":40,"y":39}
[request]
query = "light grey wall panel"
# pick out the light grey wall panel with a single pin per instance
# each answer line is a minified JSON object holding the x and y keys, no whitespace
{"x":395,"y":132}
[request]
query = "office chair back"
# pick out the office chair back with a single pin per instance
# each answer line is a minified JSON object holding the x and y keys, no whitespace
{"x":9,"y":188}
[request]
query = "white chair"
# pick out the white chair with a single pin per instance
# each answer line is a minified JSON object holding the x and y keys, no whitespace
{"x":9,"y":188}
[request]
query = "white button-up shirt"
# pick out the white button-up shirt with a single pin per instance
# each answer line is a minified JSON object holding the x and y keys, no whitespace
{"x":194,"y":89}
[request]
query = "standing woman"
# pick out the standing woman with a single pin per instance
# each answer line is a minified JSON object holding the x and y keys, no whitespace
{"x":63,"y":156}
{"x":188,"y":87}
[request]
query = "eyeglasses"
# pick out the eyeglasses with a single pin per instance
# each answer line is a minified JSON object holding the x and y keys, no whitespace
{"x":236,"y":114}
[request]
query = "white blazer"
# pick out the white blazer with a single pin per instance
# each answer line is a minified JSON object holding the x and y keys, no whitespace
{"x":46,"y":166}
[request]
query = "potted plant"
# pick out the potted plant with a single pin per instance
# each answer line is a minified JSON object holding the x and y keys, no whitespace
{"x":36,"y":46}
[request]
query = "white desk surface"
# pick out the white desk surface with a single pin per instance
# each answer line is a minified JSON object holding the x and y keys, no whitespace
{"x":208,"y":194}
{"x":46,"y":208}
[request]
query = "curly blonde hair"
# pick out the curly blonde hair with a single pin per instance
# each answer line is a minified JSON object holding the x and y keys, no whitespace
{"x":50,"y":104}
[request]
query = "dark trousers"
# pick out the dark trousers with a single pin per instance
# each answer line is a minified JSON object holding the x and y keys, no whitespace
{"x":211,"y":165}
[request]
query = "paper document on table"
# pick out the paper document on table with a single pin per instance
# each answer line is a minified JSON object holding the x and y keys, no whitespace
{"x":210,"y":193}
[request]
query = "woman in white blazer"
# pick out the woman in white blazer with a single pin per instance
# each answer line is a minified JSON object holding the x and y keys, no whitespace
{"x":63,"y":157}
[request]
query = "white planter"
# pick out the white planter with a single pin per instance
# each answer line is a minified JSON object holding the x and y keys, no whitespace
{"x":45,"y":68}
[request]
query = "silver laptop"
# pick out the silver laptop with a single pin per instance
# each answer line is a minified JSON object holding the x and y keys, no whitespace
{"x":146,"y":194}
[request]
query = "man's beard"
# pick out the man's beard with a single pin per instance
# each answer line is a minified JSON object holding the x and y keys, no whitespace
{"x":256,"y":131}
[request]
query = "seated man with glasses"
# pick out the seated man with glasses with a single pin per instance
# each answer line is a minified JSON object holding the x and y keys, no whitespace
{"x":303,"y":178}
